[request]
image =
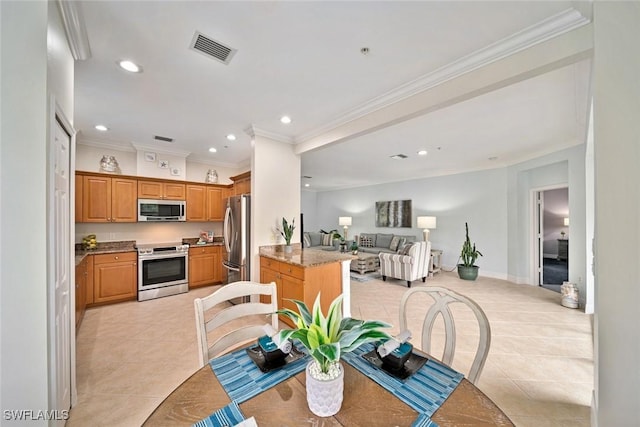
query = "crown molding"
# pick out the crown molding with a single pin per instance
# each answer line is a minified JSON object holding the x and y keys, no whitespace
{"x":103,"y":144}
{"x":161,"y":150}
{"x":546,"y":29}
{"x":73,"y":21}
{"x":253,"y":131}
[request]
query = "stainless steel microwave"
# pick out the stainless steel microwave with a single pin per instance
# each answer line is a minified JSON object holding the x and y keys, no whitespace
{"x":161,"y":210}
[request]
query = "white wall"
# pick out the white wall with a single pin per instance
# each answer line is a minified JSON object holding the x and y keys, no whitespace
{"x":565,"y":167}
{"x":478,"y":198}
{"x":275,"y":190}
{"x":617,"y":219}
{"x":23,"y":186}
{"x":88,"y":157}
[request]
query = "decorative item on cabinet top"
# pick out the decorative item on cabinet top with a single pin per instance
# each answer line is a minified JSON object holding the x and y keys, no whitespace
{"x":212,"y":176}
{"x":109,"y":164}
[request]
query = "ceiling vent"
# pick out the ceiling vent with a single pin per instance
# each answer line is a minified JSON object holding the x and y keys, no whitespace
{"x":163,"y":138}
{"x":211,"y":48}
{"x":398,"y":156}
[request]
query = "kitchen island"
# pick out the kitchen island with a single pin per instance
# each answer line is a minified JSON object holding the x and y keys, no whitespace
{"x":304,"y":273}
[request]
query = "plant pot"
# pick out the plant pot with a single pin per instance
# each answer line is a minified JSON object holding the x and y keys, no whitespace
{"x":324,"y":397}
{"x":468,"y":273}
{"x":288,"y":249}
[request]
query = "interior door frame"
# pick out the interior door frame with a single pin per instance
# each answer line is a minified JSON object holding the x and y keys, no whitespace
{"x":536,"y":232}
{"x":56,"y":115}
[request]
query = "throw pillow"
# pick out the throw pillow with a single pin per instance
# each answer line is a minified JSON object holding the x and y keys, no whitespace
{"x":316,"y":239}
{"x":365,"y":242}
{"x":327,"y":239}
{"x":394,"y":243}
{"x":383,"y":240}
{"x":405,"y":249}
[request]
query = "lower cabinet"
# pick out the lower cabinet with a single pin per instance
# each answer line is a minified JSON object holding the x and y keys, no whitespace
{"x":205,"y":266}
{"x":81,"y":290}
{"x":115,"y":277}
{"x":302,"y":283}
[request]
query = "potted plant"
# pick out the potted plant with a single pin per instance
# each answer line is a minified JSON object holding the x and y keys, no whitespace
{"x":468,"y":270}
{"x":287,"y":233}
{"x":327,"y":338}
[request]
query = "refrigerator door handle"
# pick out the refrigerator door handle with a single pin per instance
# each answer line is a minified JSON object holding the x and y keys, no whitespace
{"x":228,"y":267}
{"x":227,"y":236}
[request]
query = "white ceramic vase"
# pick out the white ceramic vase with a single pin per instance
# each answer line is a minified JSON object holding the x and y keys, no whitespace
{"x":324,"y":397}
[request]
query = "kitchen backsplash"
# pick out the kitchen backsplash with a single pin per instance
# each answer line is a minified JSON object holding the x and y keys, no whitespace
{"x":146,"y":232}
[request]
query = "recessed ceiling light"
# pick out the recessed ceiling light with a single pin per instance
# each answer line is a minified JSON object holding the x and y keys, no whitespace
{"x":101,"y":128}
{"x":212,"y":150}
{"x":285,"y":119}
{"x":422,"y":153}
{"x":398,"y":156}
{"x":130,"y":66}
{"x":231,"y":137}
{"x":307,"y":185}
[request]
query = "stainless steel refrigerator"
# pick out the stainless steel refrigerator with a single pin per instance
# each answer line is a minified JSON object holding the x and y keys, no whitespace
{"x":237,"y":238}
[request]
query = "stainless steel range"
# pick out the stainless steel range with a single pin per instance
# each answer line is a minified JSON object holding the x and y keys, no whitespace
{"x":163,"y":270}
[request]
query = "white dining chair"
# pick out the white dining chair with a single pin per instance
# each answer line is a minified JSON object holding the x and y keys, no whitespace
{"x":442,"y":299}
{"x":225,"y":312}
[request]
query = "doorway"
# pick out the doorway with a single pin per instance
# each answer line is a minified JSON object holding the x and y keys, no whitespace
{"x":552,"y":237}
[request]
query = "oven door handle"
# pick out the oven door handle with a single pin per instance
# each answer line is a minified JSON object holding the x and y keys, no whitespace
{"x":228,"y":267}
{"x":161,"y":256}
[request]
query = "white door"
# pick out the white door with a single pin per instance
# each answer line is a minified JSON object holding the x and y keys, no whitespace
{"x":61,"y":265}
{"x":540,"y":237}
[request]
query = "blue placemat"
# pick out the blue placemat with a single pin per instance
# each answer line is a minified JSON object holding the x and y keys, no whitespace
{"x":230,"y":415}
{"x":242,"y":379}
{"x":424,"y":391}
{"x":423,"y":421}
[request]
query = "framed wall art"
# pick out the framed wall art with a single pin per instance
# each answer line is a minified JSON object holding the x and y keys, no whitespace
{"x":396,"y":213}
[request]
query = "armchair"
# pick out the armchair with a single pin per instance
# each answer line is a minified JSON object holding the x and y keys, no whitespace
{"x":411,"y":263}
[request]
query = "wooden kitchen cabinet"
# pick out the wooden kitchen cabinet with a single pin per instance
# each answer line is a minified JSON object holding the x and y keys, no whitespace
{"x":302,"y":283}
{"x":107,"y":199}
{"x":205,"y":266}
{"x":81,"y":291}
{"x":215,"y":205}
{"x":115,"y":277}
{"x":204,"y":203}
{"x":164,"y":190}
{"x":242,"y":183}
{"x":78,"y":207}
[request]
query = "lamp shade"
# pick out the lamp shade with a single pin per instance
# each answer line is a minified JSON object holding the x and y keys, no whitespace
{"x":426,"y":222}
{"x":344,"y":220}
{"x":566,"y":222}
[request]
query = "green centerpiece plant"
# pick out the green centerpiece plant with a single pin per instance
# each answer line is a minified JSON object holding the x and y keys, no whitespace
{"x":326,"y":339}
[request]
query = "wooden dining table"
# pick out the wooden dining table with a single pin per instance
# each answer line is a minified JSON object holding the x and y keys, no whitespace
{"x":365,"y":403}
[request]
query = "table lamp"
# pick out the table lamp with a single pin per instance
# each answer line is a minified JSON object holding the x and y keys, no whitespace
{"x":345,"y":221}
{"x":426,"y":223}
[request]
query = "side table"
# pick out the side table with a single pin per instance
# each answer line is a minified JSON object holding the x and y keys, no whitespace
{"x":435,"y":262}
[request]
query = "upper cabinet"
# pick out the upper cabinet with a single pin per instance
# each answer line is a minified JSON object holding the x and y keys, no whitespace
{"x":161,"y":190}
{"x":204,"y":203}
{"x":108,"y":199}
{"x":242,"y":183}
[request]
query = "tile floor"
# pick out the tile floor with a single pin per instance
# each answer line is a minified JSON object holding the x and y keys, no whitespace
{"x":130,"y":356}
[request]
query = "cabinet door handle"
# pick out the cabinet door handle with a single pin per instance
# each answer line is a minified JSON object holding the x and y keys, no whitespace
{"x":116,"y":257}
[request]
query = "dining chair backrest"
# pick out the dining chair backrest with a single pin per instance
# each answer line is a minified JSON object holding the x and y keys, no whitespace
{"x":442,"y":299}
{"x":228,"y":312}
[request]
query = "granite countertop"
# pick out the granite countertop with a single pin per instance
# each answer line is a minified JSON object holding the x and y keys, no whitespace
{"x":193,"y":242}
{"x":306,"y":257}
{"x":105,"y":248}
